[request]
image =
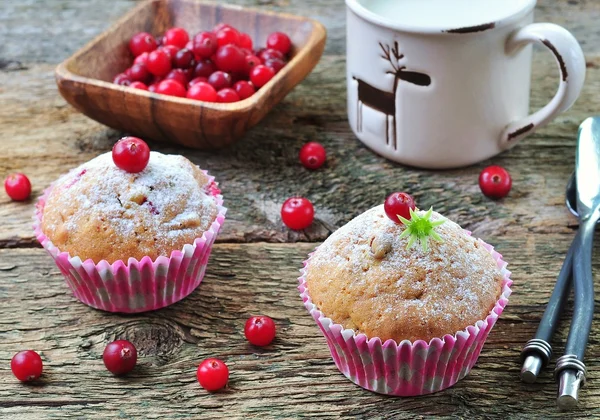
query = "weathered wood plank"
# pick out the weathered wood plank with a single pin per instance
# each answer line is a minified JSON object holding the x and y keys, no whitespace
{"x":295,"y":376}
{"x":43,"y":137}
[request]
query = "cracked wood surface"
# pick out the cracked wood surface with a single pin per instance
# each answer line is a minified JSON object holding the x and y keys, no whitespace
{"x":254,"y":267}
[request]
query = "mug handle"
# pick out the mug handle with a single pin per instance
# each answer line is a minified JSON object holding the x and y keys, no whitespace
{"x":571,"y":63}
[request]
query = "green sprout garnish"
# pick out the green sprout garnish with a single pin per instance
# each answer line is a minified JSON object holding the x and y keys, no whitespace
{"x":420,"y":228}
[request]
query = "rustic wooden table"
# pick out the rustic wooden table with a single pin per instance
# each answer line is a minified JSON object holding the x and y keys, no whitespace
{"x":254,"y":266}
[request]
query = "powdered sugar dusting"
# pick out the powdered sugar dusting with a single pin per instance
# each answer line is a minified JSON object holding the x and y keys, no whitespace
{"x":408,"y":294}
{"x":168,"y":200}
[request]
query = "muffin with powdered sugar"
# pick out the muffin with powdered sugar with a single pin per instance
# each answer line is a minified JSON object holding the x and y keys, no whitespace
{"x":405,"y":304}
{"x":131,"y":241}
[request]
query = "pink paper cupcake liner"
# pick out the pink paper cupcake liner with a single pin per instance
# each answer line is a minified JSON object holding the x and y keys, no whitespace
{"x":406,"y":368}
{"x":135,"y":286}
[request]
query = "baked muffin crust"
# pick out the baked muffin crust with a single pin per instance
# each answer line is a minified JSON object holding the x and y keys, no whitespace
{"x":100,"y":212}
{"x":364,"y":278}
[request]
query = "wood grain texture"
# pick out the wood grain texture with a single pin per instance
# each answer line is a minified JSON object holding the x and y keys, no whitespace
{"x":85,"y":79}
{"x":294,"y":376}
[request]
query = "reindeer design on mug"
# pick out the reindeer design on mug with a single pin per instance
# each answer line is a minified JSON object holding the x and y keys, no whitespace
{"x":381,"y":100}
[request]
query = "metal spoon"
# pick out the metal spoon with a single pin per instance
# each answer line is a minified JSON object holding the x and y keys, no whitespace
{"x":537,"y":352}
{"x":570,"y":369}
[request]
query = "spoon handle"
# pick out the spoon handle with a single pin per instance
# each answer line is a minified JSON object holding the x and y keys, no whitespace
{"x":537,"y":352}
{"x":570,"y":370}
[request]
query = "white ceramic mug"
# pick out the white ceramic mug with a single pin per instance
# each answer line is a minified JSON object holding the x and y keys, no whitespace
{"x":445,"y":83}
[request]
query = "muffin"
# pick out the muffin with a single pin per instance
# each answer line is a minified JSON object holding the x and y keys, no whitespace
{"x":404,"y":318}
{"x":131,"y":242}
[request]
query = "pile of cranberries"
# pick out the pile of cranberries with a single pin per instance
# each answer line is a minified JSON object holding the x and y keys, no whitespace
{"x":221,"y":65}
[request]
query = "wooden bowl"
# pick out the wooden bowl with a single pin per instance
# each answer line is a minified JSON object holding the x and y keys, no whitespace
{"x":84,"y":79}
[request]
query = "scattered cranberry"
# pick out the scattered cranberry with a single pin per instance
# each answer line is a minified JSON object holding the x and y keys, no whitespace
{"x":312,"y":155}
{"x":202,"y":91}
{"x":212,"y":374}
{"x":170,"y":50}
{"x":251,"y":62}
{"x":398,"y":204}
{"x":280,"y":42}
{"x":139,"y":73}
{"x":275,"y":64}
{"x":495,"y":182}
{"x":230,"y":58}
{"x":205,"y":44}
{"x":171,"y":87}
{"x":138,"y":85}
{"x":245,"y":41}
{"x":220,"y":80}
{"x":228,"y":36}
{"x":17,"y":187}
{"x":131,"y":154}
{"x":184,"y":59}
{"x":178,"y":75}
{"x":297,"y":213}
{"x":260,"y":75}
{"x":141,"y":43}
{"x":158,"y":63}
{"x":260,"y":330}
{"x":244,"y":89}
{"x":122,"y":79}
{"x":26,"y":365}
{"x":204,"y":68}
{"x":227,"y":95}
{"x":120,"y":357}
{"x":221,"y":25}
{"x":177,"y":37}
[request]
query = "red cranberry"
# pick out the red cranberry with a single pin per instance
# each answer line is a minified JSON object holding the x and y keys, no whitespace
{"x":120,"y":357}
{"x":220,"y":26}
{"x":17,"y":187}
{"x":170,"y":50}
{"x":495,"y":182}
{"x":245,"y":41}
{"x":204,"y":68}
{"x":159,"y":63}
{"x":280,"y":42}
{"x":178,"y":75}
{"x":184,"y":59}
{"x":259,"y":330}
{"x":141,"y":59}
{"x":251,"y":62}
{"x":152,"y":87}
{"x":202,"y":91}
{"x":139,"y":73}
{"x":275,"y":64}
{"x":398,"y":204}
{"x":220,"y":80}
{"x":212,"y":374}
{"x":260,"y":75}
{"x":197,"y":80}
{"x":171,"y":87}
{"x":312,"y":155}
{"x":244,"y":89}
{"x":138,"y":85}
{"x":177,"y":37}
{"x":26,"y":365}
{"x":227,"y":95}
{"x":142,"y":42}
{"x":228,"y":36}
{"x":230,"y":58}
{"x":131,"y":154}
{"x":297,"y":213}
{"x":122,"y":79}
{"x":270,"y":54}
{"x":205,"y":44}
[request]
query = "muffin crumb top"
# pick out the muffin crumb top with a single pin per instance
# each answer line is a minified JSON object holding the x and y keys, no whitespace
{"x":364,"y":278}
